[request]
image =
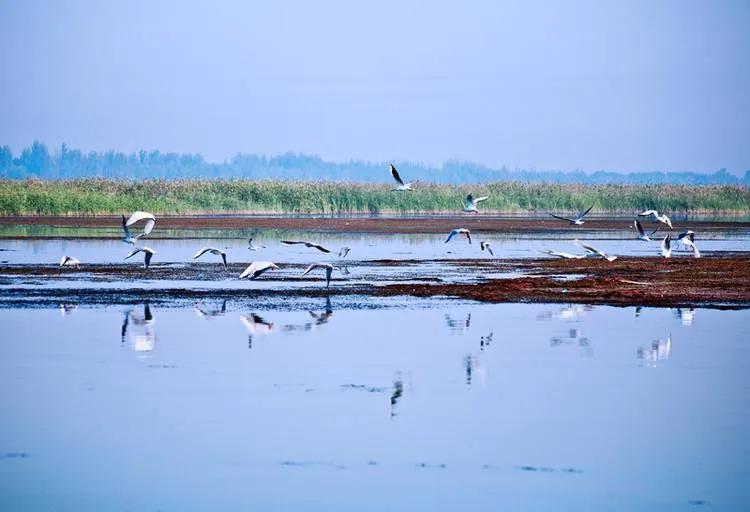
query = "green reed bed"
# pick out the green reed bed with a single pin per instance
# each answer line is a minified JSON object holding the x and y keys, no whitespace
{"x":100,"y":196}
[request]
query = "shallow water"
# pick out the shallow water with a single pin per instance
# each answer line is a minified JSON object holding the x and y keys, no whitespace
{"x":373,"y":404}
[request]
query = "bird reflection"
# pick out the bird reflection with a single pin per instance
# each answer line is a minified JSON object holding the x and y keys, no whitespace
{"x":67,"y":309}
{"x":473,"y":368}
{"x":207,"y":313}
{"x":319,"y":319}
{"x":398,"y":390}
{"x":485,"y":341}
{"x":573,"y":337}
{"x":458,"y":326}
{"x":686,"y":316}
{"x":569,"y":312}
{"x":256,"y":326}
{"x":658,"y":351}
{"x":637,"y":311}
{"x":140,"y":328}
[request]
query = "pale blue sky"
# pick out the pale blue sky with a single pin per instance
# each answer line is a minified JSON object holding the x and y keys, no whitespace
{"x":621,"y":85}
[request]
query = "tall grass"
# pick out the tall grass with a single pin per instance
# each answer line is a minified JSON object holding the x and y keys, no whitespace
{"x":100,"y":196}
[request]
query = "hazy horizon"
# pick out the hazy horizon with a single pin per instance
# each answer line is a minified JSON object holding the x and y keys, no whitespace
{"x":642,"y":86}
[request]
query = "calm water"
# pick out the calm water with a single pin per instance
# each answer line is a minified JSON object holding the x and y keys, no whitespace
{"x":361,"y":404}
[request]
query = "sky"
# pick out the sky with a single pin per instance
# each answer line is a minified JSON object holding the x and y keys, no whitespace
{"x":630,"y":86}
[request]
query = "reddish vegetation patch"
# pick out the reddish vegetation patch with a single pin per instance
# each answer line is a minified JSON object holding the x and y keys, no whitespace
{"x":428,"y":224}
{"x":626,"y":281}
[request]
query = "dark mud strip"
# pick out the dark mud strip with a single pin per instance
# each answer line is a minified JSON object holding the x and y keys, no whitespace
{"x":401,"y":225}
{"x":720,"y":282}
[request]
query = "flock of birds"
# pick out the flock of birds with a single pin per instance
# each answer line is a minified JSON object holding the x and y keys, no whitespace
{"x":470,"y":205}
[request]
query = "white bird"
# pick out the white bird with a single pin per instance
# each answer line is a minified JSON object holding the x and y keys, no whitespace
{"x":471,"y":202}
{"x":486,"y":246}
{"x":594,"y":251}
{"x":306,"y":244}
{"x":660,"y":218}
{"x":459,"y":231}
{"x":666,"y":246}
{"x":688,"y":239}
{"x":641,"y":233}
{"x":137,"y":217}
{"x":327,"y":266}
{"x":256,"y":268}
{"x":69,"y":261}
{"x":212,"y":250}
{"x":344,"y":251}
{"x":576,"y":221}
{"x":565,"y":255}
{"x":252,"y":247}
{"x":401,"y":185}
{"x":147,"y":255}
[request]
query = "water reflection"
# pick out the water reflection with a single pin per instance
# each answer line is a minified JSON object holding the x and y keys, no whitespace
{"x":319,"y":319}
{"x":398,"y":390}
{"x":569,"y":312}
{"x":485,"y":341}
{"x":256,"y":326}
{"x":67,"y":309}
{"x":206,"y":312}
{"x":458,"y":326}
{"x":658,"y":351}
{"x":685,"y":315}
{"x":474,"y":369}
{"x":140,"y":329}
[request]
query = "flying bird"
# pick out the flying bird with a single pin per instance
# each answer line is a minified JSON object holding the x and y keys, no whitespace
{"x":256,"y":268}
{"x":306,"y":244}
{"x":69,"y":261}
{"x":594,"y":251}
{"x":485,"y":246}
{"x":147,"y":255}
{"x":252,"y":247}
{"x":657,"y":217}
{"x":217,"y":252}
{"x":344,"y":251}
{"x":401,"y":185}
{"x":328,"y":268}
{"x":576,"y":221}
{"x":471,"y":202}
{"x":564,"y":255}
{"x":666,"y":246}
{"x":641,"y":233}
{"x":459,"y":231}
{"x":137,"y":217}
{"x":688,"y":240}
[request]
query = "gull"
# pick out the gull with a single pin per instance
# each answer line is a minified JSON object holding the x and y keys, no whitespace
{"x":252,"y":247}
{"x":471,"y":202}
{"x":217,"y":252}
{"x":459,"y":231}
{"x":661,"y":218}
{"x":401,"y":185}
{"x":641,"y":233}
{"x":256,"y":268}
{"x":566,"y":255}
{"x":666,"y":246}
{"x":147,"y":255}
{"x":576,"y":221}
{"x":137,"y":217}
{"x":594,"y":251}
{"x":344,"y":251}
{"x":327,"y":266}
{"x":486,"y":246}
{"x":306,"y":244}
{"x":69,"y":261}
{"x":688,"y":239}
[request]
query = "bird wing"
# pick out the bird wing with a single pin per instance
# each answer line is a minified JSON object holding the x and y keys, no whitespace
{"x":480,"y":199}
{"x":329,"y":271}
{"x":134,"y":252}
{"x":292,"y":242}
{"x":639,"y":227}
{"x":561,"y":218}
{"x":648,"y":212}
{"x":468,"y":235}
{"x":201,"y":252}
{"x":451,"y":235}
{"x":149,"y":226}
{"x":584,"y":213}
{"x":318,"y":247}
{"x":138,"y":216}
{"x":696,"y":252}
{"x":586,"y":246}
{"x":224,"y":259}
{"x":147,"y":257}
{"x":125,"y":227}
{"x":310,"y":268}
{"x":470,"y":200}
{"x":396,"y":176}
